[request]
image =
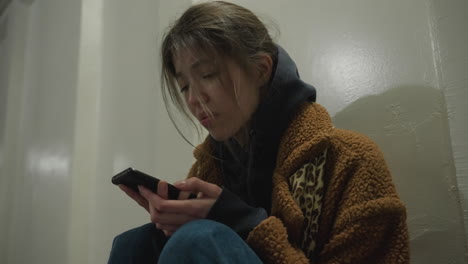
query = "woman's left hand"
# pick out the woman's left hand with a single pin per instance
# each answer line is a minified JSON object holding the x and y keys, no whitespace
{"x":169,"y":215}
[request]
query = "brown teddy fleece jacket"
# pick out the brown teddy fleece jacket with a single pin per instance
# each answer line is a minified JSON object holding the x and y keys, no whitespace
{"x":362,"y":220}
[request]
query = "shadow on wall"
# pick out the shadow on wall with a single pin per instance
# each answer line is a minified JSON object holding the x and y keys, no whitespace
{"x":409,"y":123}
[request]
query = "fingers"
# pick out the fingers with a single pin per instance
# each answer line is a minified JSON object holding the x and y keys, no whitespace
{"x":135,"y":196}
{"x":153,"y":199}
{"x":183,"y":195}
{"x":168,"y":233}
{"x":168,"y":228}
{"x":162,"y":189}
{"x":196,"y":208}
{"x":196,"y":185}
{"x":168,"y":223}
{"x":170,"y":219}
{"x":164,"y":218}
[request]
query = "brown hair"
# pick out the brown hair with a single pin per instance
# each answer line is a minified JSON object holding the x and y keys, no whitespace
{"x":225,"y":28}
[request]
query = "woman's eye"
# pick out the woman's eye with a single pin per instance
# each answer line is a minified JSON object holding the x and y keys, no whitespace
{"x":184,"y":88}
{"x":209,"y":75}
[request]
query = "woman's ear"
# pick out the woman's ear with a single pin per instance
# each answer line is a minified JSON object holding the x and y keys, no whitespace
{"x":264,"y":68}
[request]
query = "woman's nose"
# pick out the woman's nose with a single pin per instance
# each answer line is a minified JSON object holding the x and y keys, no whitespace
{"x":197,"y":97}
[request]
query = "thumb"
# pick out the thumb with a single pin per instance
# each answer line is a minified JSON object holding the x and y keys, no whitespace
{"x":162,"y":189}
{"x":196,"y":186}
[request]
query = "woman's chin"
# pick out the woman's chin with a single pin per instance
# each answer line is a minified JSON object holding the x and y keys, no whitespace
{"x":219,"y":136}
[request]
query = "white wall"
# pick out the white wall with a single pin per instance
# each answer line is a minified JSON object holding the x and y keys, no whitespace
{"x":79,"y":101}
{"x":449,"y":23}
{"x":42,"y":48}
{"x":134,"y":129}
{"x":4,"y":195}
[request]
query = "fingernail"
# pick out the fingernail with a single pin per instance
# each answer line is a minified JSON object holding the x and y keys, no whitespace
{"x":180,"y":183}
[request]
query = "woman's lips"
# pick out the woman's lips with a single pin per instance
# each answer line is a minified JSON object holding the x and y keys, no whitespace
{"x":206,"y":121}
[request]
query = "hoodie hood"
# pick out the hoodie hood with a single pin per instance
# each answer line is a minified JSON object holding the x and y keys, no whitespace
{"x":245,"y":169}
{"x":285,"y":92}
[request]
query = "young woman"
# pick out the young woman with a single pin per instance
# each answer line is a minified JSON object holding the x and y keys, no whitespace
{"x":276,"y":182}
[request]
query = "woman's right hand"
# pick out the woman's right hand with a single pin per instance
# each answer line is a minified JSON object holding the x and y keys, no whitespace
{"x":136,"y":196}
{"x":170,"y":215}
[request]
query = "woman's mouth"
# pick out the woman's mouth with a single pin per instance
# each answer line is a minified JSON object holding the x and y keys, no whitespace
{"x":206,"y":121}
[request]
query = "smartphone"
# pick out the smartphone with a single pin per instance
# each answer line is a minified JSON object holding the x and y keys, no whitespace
{"x":132,"y":178}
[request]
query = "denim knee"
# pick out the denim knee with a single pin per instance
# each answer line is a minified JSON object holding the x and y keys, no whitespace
{"x":200,"y":231}
{"x":206,"y":241}
{"x":138,"y":245}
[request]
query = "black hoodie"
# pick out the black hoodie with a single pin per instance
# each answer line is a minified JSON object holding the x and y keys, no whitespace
{"x":247,"y":172}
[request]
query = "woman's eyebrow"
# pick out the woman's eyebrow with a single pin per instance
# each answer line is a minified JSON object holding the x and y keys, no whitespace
{"x":194,"y":65}
{"x":200,"y":62}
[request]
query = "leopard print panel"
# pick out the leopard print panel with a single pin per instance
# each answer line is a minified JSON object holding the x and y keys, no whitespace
{"x":307,"y":190}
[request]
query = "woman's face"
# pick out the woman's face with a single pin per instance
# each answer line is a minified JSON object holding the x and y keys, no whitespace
{"x":218,"y":93}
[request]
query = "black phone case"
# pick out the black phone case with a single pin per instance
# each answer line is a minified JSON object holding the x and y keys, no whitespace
{"x":132,"y":178}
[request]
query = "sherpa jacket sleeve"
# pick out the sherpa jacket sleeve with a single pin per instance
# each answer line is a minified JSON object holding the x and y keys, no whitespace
{"x":362,"y":220}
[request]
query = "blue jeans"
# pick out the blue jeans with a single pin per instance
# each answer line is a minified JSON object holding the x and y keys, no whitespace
{"x":199,"y":241}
